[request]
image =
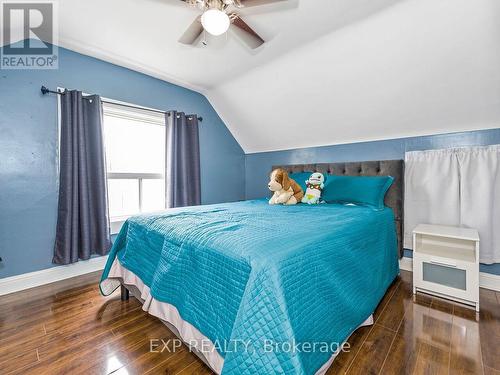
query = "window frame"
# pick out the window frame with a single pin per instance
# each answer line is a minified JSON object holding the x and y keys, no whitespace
{"x":146,"y":115}
{"x":140,"y":177}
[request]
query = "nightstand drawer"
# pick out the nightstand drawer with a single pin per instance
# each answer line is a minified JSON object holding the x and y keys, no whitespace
{"x":438,"y":273}
{"x":445,"y":276}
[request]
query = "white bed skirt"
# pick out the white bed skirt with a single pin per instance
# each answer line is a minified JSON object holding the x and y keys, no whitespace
{"x":185,"y":331}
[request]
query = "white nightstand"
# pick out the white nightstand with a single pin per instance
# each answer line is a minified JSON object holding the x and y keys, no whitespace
{"x":446,"y":262}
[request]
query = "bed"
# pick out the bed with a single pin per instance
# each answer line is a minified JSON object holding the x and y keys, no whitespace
{"x":260,"y":289}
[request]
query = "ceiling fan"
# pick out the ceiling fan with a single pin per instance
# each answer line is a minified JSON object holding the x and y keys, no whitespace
{"x":218,"y":16}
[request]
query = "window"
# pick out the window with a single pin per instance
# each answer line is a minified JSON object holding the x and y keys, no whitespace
{"x":135,"y":159}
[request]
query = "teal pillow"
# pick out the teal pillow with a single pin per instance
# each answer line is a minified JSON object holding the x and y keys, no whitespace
{"x":301,"y":178}
{"x":362,"y":190}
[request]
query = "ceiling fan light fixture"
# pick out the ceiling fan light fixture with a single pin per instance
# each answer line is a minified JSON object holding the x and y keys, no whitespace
{"x":215,"y":21}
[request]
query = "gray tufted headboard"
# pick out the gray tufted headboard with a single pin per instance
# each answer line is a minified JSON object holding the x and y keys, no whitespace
{"x":394,"y":168}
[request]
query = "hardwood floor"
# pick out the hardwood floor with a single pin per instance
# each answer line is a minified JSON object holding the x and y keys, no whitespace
{"x":69,"y":328}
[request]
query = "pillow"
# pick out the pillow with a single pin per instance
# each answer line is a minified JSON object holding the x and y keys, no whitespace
{"x":301,"y":178}
{"x":363,"y":190}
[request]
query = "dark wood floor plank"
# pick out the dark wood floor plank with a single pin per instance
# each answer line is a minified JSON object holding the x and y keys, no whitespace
{"x":432,"y":360}
{"x":125,"y":349}
{"x":49,"y":344}
{"x":489,"y":329}
{"x":52,"y":289}
{"x":21,"y":360}
{"x":28,"y":320}
{"x":422,"y":299}
{"x":144,"y":360}
{"x":491,"y":371}
{"x":15,"y":336}
{"x":442,"y":305}
{"x":196,"y":368}
{"x":345,"y":358}
{"x":465,"y":312}
{"x":10,"y":348}
{"x":172,"y":365}
{"x":465,"y":349}
{"x":76,"y":356}
{"x":411,"y":325}
{"x":48,"y":303}
{"x":436,"y":327}
{"x":402,"y":356}
{"x":372,"y":354}
{"x":108,"y":314}
{"x":77,"y":291}
{"x":387,"y":297}
{"x":69,"y":328}
{"x":393,"y":314}
{"x":79,"y":342}
{"x":422,"y":328}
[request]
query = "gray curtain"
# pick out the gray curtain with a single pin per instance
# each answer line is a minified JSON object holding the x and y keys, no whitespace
{"x":82,"y":217}
{"x":183,"y":186}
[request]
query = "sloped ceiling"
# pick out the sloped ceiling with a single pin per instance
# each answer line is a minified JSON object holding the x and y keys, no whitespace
{"x":418,"y":67}
{"x":333,"y":71}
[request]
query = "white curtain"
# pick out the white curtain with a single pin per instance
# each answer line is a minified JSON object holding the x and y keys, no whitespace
{"x":456,"y":187}
{"x":480,"y":197}
{"x":432,"y":190}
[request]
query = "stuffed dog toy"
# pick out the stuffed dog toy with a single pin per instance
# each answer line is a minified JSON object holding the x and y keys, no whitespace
{"x":315,"y":184}
{"x":286,"y":190}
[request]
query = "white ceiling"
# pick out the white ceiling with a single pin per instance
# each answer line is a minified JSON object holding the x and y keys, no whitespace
{"x":419,"y":67}
{"x":143,"y":34}
{"x":333,"y":71}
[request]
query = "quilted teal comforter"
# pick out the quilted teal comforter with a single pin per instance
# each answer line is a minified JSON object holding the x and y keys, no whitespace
{"x":276,"y":288}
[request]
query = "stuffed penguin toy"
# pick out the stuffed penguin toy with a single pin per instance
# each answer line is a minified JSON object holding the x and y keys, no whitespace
{"x":315,"y":184}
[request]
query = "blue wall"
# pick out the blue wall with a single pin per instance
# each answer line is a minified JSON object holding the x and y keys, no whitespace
{"x":258,"y":165}
{"x":28,"y":141}
{"x":28,"y":145}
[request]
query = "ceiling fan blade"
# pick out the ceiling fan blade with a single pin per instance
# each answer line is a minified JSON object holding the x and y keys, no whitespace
{"x":246,"y":33}
{"x":195,"y":3}
{"x":192,"y":33}
{"x":254,"y":3}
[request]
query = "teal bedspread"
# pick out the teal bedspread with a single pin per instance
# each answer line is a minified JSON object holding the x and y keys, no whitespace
{"x":274,"y":287}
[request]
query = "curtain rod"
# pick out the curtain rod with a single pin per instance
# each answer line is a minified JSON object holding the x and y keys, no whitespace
{"x":45,"y":91}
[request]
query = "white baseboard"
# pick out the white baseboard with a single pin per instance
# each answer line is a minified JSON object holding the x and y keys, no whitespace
{"x":489,"y":281}
{"x":486,"y":280}
{"x":32,"y":279}
{"x":406,"y":264}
